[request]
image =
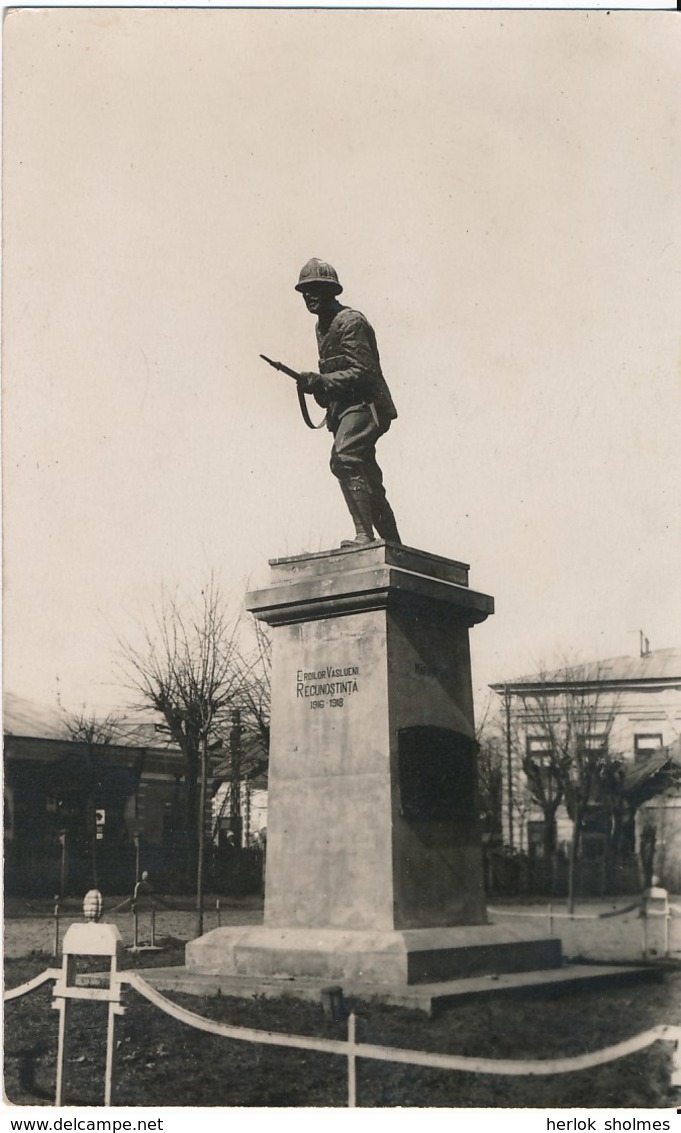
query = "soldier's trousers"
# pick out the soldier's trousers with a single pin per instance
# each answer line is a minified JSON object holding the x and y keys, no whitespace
{"x":353,"y":462}
{"x":353,"y":456}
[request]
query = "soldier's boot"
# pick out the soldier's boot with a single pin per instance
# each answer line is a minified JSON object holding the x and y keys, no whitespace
{"x":383,"y":519}
{"x":358,"y":498}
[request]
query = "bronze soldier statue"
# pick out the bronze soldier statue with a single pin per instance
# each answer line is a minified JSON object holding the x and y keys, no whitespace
{"x":359,"y":409}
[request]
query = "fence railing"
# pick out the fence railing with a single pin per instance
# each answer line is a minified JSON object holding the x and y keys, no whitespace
{"x":549,"y":913}
{"x":648,"y":910}
{"x":144,"y":921}
{"x":349,"y":1048}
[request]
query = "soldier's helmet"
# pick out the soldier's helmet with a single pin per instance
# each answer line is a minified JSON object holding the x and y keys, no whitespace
{"x":318,"y":271}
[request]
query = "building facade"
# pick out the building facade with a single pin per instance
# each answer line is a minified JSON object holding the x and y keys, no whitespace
{"x":78,"y":814}
{"x":623,"y":718}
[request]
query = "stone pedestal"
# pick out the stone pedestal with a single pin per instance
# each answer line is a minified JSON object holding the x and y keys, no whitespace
{"x":374,"y":859}
{"x":373,"y":820}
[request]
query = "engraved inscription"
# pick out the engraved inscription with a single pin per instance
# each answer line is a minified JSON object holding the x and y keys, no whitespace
{"x":328,"y":687}
{"x":436,"y":671}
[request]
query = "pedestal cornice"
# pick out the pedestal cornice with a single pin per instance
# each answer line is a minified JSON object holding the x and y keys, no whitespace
{"x":380,"y":576}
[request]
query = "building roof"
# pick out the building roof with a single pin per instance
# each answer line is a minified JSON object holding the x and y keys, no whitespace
{"x":659,"y":666}
{"x":26,"y":720}
{"x":635,"y":774}
{"x":22,"y":717}
{"x":29,"y":719}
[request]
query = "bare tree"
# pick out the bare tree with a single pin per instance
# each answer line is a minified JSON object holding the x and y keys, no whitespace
{"x":505,"y":800}
{"x":541,"y":763}
{"x":568,"y":717}
{"x":530,"y":776}
{"x":490,"y":773}
{"x":246,"y":746}
{"x":188,"y":671}
{"x":256,"y":684}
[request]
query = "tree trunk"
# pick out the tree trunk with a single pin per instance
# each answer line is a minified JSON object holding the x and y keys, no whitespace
{"x":191,"y":824}
{"x":201,"y":837}
{"x":572,"y":861}
{"x":614,"y":846}
{"x":93,"y":837}
{"x":549,"y":846}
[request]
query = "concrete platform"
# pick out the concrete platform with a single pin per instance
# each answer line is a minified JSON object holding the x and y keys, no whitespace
{"x":428,"y":997}
{"x":407,"y":956}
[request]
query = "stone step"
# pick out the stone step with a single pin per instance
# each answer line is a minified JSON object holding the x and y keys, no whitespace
{"x":428,"y":997}
{"x":569,"y":979}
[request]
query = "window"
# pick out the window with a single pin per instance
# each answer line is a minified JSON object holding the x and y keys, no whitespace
{"x":539,"y":756}
{"x":535,"y":839}
{"x":593,"y":750}
{"x":539,"y":745}
{"x":645,"y":743}
{"x":594,"y":742}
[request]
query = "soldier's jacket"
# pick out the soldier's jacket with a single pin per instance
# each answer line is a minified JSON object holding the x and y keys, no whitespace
{"x":350,"y":372}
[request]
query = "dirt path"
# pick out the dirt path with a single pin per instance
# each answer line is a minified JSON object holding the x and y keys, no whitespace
{"x":36,"y":933}
{"x":618,"y":937}
{"x":600,"y":930}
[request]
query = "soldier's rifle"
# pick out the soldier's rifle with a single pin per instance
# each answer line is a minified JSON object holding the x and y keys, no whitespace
{"x":301,"y":393}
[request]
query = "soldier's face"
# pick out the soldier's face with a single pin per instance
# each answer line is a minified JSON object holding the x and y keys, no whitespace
{"x":317,"y":298}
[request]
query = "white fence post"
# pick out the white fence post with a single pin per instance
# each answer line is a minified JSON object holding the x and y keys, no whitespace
{"x":61,"y":1006}
{"x":352,"y":1062}
{"x":115,"y":1009}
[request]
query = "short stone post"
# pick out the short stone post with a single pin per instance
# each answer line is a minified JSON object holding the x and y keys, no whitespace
{"x":89,"y":939}
{"x":656,"y":904}
{"x":333,"y":1004}
{"x":143,"y":902}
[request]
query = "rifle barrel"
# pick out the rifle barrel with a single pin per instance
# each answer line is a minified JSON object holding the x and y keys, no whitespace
{"x":280,"y":366}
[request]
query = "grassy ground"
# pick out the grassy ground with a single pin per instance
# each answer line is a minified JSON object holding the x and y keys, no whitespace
{"x":160,"y":1061}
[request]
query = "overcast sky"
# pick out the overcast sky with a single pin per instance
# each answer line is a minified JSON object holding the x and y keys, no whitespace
{"x":499,"y":195}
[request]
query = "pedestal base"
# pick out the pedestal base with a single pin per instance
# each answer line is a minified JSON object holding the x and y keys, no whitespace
{"x":410,"y":956}
{"x":429,"y":997}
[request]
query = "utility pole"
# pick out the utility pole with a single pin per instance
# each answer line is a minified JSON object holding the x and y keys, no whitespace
{"x":509,"y":765}
{"x":235,"y":819}
{"x":201,"y":832}
{"x":63,"y":873}
{"x":247,"y":815}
